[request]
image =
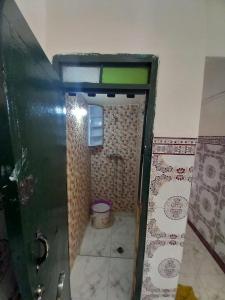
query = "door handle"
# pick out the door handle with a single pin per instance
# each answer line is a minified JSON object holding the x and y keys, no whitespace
{"x":60,"y":286}
{"x":43,"y":241}
{"x":38,"y":293}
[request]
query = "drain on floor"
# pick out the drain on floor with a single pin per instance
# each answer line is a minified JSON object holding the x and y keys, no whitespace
{"x":120,"y":250}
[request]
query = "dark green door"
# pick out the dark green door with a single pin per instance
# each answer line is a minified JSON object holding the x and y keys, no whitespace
{"x":35,"y":194}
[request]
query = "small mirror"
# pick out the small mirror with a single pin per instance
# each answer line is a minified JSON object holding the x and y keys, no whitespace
{"x":95,"y":125}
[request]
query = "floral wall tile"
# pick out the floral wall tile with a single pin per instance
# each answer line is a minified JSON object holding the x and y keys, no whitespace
{"x":78,"y":174}
{"x":169,"y":190}
{"x":170,"y":184}
{"x":116,"y":177}
{"x":161,"y":269}
{"x":170,"y":221}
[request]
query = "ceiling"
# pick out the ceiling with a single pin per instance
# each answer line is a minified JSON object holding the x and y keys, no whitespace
{"x":119,"y":99}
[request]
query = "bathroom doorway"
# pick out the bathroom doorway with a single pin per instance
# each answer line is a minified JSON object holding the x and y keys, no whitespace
{"x":103,"y":173}
{"x":109,"y":116}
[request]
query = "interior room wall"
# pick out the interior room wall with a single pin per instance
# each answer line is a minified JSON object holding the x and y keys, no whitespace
{"x":114,"y":172}
{"x":207,"y":203}
{"x":78,"y":172}
{"x":35,"y":13}
{"x":173,"y":30}
{"x":181,"y":33}
{"x":212,"y":121}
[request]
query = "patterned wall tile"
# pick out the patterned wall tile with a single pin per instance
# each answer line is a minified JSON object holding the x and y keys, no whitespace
{"x":207,"y":203}
{"x":219,"y":240}
{"x":114,"y":170}
{"x":161,"y":221}
{"x":162,"y":270}
{"x":78,"y":174}
{"x":170,"y":184}
{"x":211,"y":169}
{"x":170,"y":176}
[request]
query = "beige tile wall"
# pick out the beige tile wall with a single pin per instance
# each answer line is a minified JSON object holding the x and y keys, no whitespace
{"x":78,"y":174}
{"x":114,"y":170}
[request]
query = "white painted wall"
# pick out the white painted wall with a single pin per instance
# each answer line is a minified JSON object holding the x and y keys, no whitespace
{"x":180,"y":32}
{"x":35,"y":13}
{"x":174,"y":30}
{"x":212,"y":118}
{"x":215,"y":42}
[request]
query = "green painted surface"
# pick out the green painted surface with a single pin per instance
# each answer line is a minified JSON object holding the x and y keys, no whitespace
{"x":36,"y":200}
{"x":126,"y":75}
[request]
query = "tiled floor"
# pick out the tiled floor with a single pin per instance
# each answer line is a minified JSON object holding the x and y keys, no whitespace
{"x":200,"y":270}
{"x":100,"y":272}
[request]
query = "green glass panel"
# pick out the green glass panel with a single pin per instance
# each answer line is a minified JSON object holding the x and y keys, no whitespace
{"x":125,"y":75}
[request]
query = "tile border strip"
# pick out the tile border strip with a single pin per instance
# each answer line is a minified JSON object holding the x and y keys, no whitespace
{"x":213,"y":140}
{"x":174,"y":146}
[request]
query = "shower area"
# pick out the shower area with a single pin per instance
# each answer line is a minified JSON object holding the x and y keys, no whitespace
{"x":104,"y":138}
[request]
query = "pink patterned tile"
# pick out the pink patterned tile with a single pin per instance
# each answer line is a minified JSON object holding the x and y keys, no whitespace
{"x":171,"y":176}
{"x":122,"y":136}
{"x":170,"y":190}
{"x":161,"y":269}
{"x":170,"y":221}
{"x":78,"y":175}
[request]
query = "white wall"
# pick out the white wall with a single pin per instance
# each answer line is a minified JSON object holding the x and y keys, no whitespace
{"x":174,"y":30}
{"x":180,"y":32}
{"x":35,"y":13}
{"x":212,"y":118}
{"x":215,"y":45}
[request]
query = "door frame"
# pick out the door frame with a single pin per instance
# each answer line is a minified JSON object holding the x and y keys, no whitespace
{"x":124,"y":60}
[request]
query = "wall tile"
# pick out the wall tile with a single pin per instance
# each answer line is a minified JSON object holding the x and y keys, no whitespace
{"x":115,"y":165}
{"x":170,"y":184}
{"x":78,"y":174}
{"x":169,"y":222}
{"x":161,"y":269}
{"x":211,"y":170}
{"x":207,"y":203}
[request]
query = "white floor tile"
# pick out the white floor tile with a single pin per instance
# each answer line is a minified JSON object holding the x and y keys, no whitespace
{"x":123,"y":237}
{"x":120,"y":279}
{"x":96,"y":242}
{"x":200,"y":270}
{"x":89,"y":278}
{"x":98,"y":273}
